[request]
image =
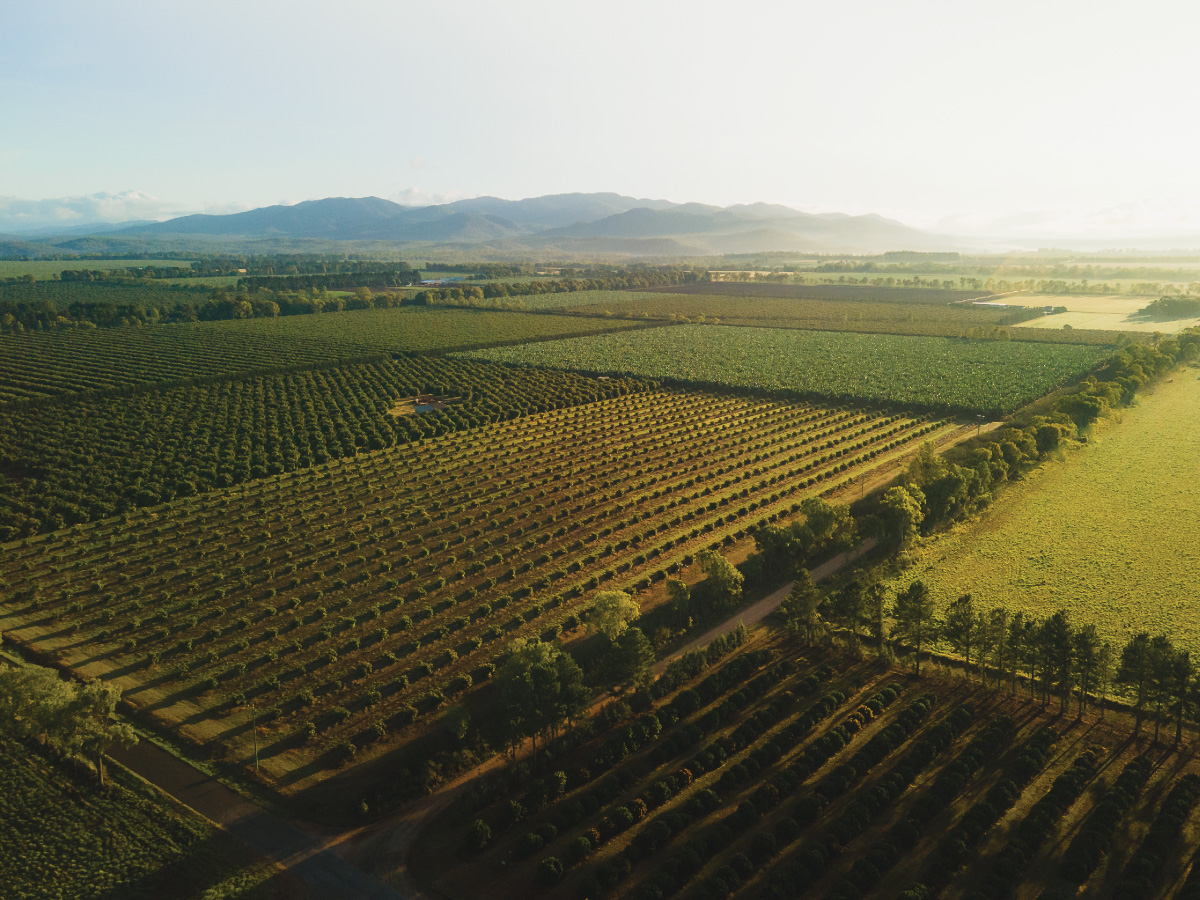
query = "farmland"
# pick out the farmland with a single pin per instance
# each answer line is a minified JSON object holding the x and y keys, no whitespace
{"x":352,"y":600}
{"x":65,"y":836}
{"x":764,"y":775}
{"x":1098,"y":313}
{"x":957,"y":320}
{"x":1109,"y":534}
{"x":44,"y":269}
{"x":844,"y":292}
{"x":84,"y":458}
{"x":935,"y":373}
{"x":68,"y":361}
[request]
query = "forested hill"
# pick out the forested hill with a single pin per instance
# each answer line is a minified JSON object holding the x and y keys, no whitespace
{"x":567,"y":223}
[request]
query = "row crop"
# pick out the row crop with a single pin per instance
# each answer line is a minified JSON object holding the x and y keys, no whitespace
{"x":97,"y":456}
{"x":332,"y":597}
{"x":41,"y":364}
{"x":989,"y":377}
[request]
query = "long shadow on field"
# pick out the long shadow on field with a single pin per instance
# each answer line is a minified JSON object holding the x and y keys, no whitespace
{"x":204,"y":867}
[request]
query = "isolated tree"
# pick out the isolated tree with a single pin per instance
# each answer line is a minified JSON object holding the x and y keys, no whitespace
{"x":826,"y":527}
{"x":875,"y":594}
{"x":779,"y":549}
{"x":612,"y":611}
{"x":1162,"y":657}
{"x":1136,"y":671}
{"x":916,"y":622}
{"x":1104,"y":675}
{"x":1058,"y":641}
{"x":902,"y":511}
{"x":801,"y":610}
{"x":680,"y":601}
{"x":848,"y":607}
{"x":1087,"y":660}
{"x":74,"y":719}
{"x":996,"y":629}
{"x":961,"y":627}
{"x":723,"y":582}
{"x":1180,"y":677}
{"x":1020,"y":631}
{"x":632,"y":660}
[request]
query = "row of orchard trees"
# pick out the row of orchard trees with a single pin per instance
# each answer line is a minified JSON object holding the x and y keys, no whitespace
{"x":1056,"y":657}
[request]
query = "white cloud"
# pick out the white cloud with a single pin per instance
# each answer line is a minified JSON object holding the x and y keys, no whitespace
{"x":417,"y":197}
{"x":18,"y":214}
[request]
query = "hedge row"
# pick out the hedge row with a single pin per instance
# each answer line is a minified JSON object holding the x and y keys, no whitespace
{"x":1012,"y":862}
{"x":868,"y":870}
{"x":1141,"y":875}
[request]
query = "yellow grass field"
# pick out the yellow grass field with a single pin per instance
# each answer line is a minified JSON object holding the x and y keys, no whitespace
{"x":1111,"y":532}
{"x":1102,"y":313}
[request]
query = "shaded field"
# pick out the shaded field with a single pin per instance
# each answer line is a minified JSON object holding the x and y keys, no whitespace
{"x":66,"y":836}
{"x":1109,"y":534}
{"x":57,"y":362}
{"x":826,"y":292}
{"x":781,"y":773}
{"x":350,"y":602}
{"x":938,"y":373}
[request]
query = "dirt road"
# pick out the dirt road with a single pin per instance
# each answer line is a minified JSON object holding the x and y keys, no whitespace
{"x":314,"y":871}
{"x":752,"y":615}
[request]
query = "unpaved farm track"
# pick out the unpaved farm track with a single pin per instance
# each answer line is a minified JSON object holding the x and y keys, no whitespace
{"x":314,"y":872}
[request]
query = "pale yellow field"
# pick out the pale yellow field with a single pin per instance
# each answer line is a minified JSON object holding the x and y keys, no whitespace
{"x":1108,"y":533}
{"x":1102,"y":313}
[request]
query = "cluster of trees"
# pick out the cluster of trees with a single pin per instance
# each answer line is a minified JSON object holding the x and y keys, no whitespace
{"x":639,"y":279}
{"x":1058,"y":658}
{"x":938,"y":489}
{"x":1169,"y":308}
{"x":784,"y":549}
{"x":541,"y":687}
{"x":75,"y":720}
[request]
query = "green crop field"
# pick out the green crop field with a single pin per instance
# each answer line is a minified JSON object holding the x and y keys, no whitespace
{"x":72,"y":360}
{"x":66,"y":837}
{"x":1110,"y":533}
{"x":350,"y":602}
{"x":987,"y":377}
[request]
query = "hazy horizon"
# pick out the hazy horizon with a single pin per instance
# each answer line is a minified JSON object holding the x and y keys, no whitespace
{"x":1046,"y":121}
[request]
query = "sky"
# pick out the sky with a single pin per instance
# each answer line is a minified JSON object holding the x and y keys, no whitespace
{"x":1017,"y":117}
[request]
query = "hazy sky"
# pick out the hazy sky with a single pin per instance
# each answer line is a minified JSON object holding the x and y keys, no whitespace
{"x":1016,"y":115}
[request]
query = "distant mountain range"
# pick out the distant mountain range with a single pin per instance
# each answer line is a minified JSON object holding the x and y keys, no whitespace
{"x":570,"y":224}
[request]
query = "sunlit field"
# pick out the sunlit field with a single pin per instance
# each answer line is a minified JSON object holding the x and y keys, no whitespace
{"x":1108,"y":533}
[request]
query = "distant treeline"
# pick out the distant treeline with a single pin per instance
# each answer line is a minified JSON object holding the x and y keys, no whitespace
{"x":639,"y":280}
{"x":395,"y":276}
{"x":1172,"y":308}
{"x":40,"y":307}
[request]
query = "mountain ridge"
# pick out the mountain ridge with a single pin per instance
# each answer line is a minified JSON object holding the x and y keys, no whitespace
{"x":578,"y":223}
